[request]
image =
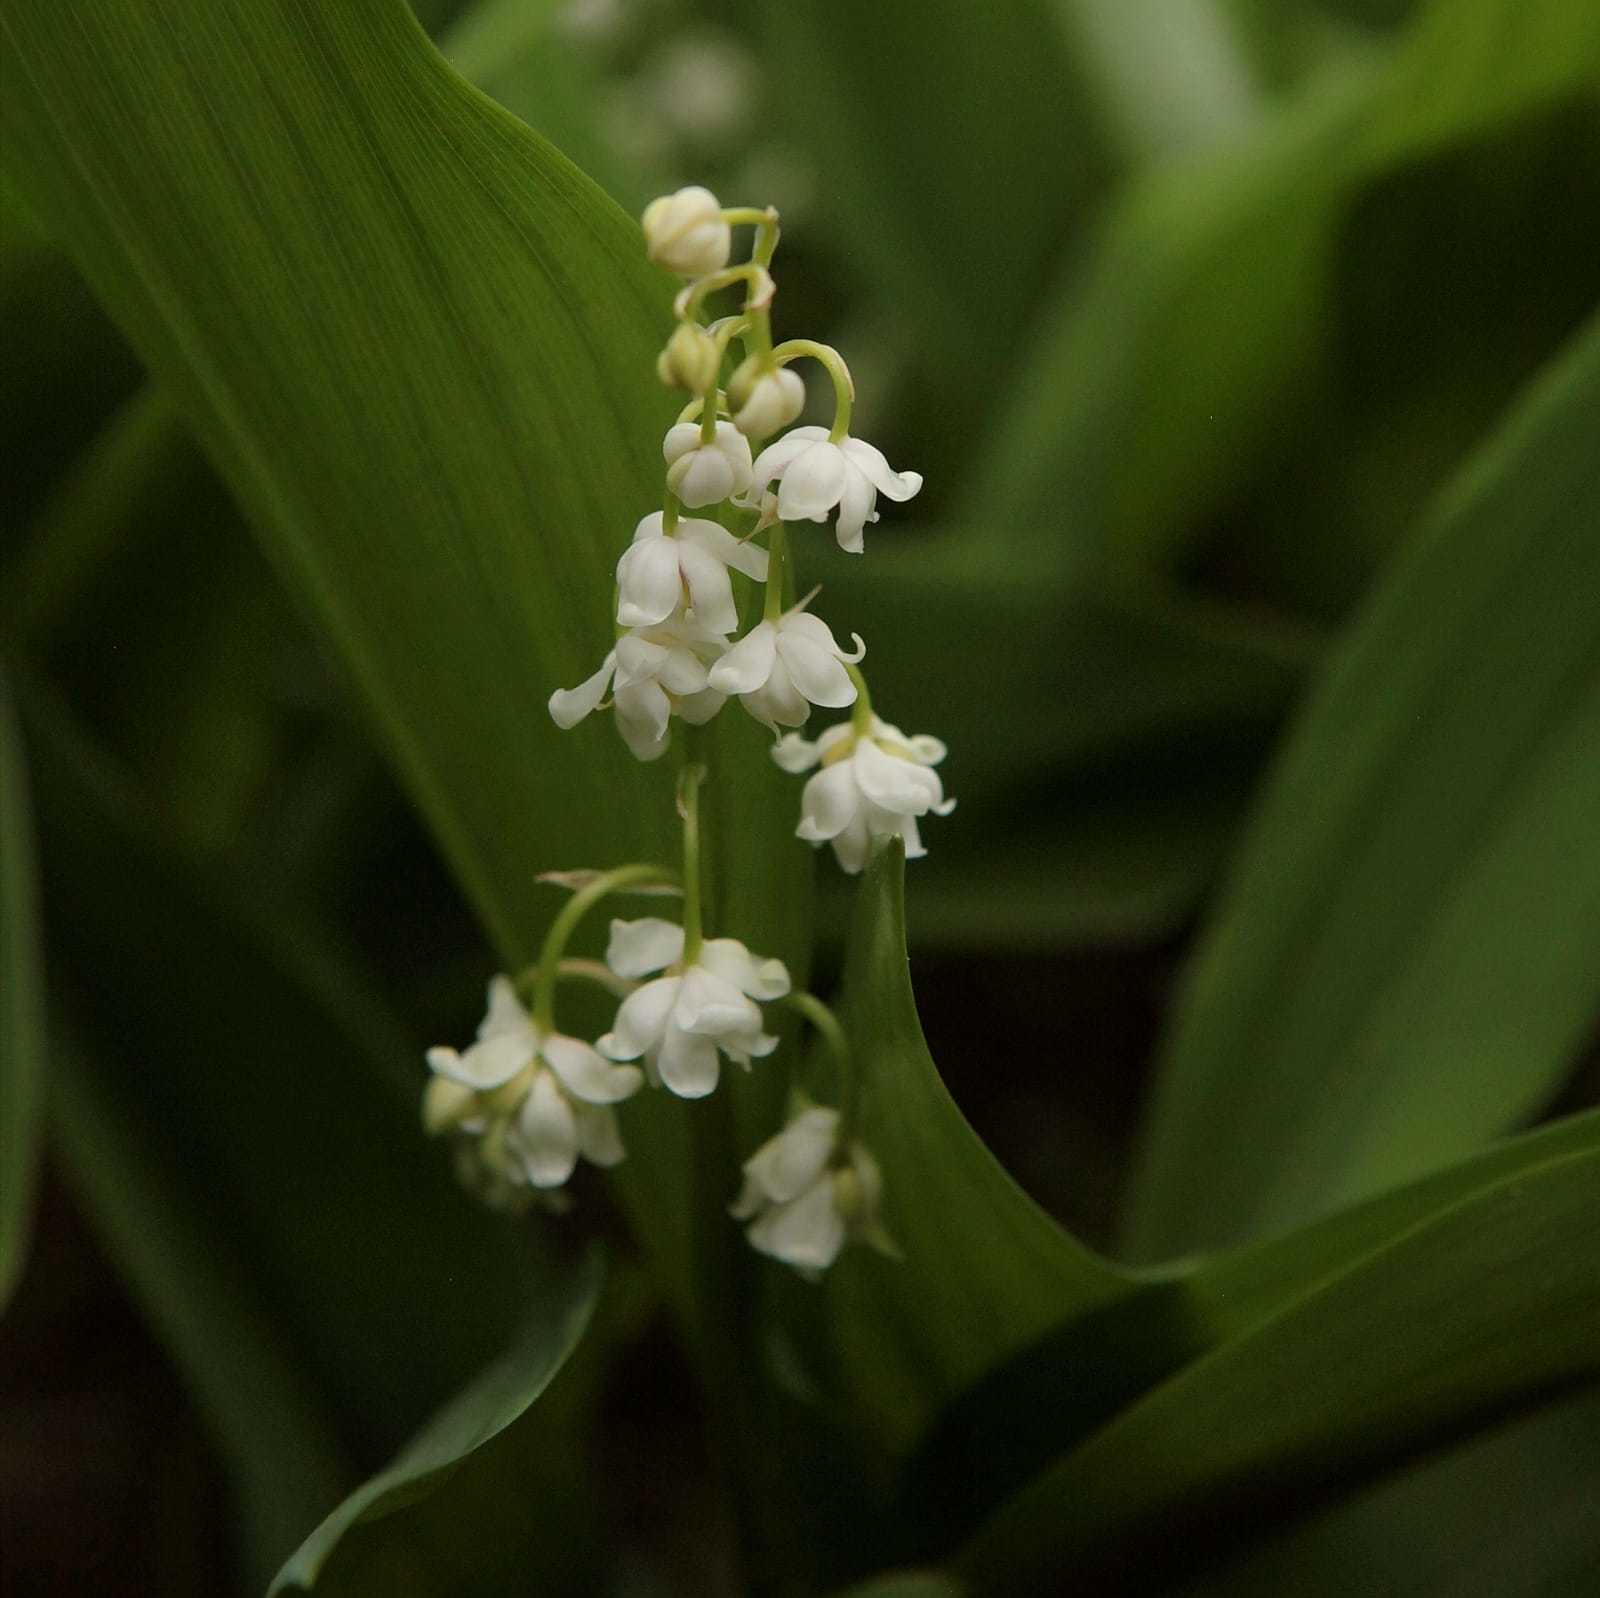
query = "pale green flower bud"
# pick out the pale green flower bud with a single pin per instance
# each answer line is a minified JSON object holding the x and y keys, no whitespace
{"x":685,"y":232}
{"x":764,"y":398}
{"x":690,"y":360}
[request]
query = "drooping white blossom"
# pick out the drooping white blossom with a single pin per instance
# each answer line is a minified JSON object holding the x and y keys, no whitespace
{"x":655,"y":673}
{"x":540,"y":1099}
{"x":804,"y":1195}
{"x":678,"y":1022}
{"x":779,"y":669}
{"x":661,"y":571}
{"x":765,"y":399}
{"x":706,"y":474}
{"x":815,"y":476}
{"x":869,"y":787}
{"x":685,"y":232}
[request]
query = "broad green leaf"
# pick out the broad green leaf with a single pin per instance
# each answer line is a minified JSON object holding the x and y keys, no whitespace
{"x":1486,"y":1307}
{"x":1405,"y":961}
{"x":419,"y":346}
{"x":993,"y":1438}
{"x":1182,"y":358}
{"x":496,"y":1400}
{"x":21,"y":1003}
{"x":417,"y":343}
{"x":984,"y":1270}
{"x":1515,"y":1514}
{"x":206,"y":1304}
{"x":286,"y":1092}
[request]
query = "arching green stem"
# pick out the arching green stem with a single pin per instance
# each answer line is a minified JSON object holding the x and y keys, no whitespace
{"x":671,"y":509}
{"x":861,"y":711}
{"x":566,"y":923}
{"x":838,"y":1045}
{"x":844,"y":388}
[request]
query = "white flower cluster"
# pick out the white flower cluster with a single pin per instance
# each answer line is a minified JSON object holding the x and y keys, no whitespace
{"x":679,"y":650}
{"x":526,"y":1101}
{"x":532,"y":1100}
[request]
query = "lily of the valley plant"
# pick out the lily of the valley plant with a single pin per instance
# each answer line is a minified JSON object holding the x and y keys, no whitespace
{"x":527,"y":1101}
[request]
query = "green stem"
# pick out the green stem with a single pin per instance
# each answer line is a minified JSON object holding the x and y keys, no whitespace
{"x":861,"y":711}
{"x":688,"y":307}
{"x":671,"y":508}
{"x":565,"y":924}
{"x":827,"y":1024}
{"x":777,"y":551}
{"x":694,"y":773}
{"x":844,"y":388}
{"x":758,"y":340}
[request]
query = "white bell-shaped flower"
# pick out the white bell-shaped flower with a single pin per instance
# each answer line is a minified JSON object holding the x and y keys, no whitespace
{"x":804,"y":1195}
{"x":706,"y":474}
{"x":765,"y":399}
{"x":781,"y":668}
{"x":565,"y":1108}
{"x":661,"y":571}
{"x":869,"y":787}
{"x":659,"y":672}
{"x":685,"y":232}
{"x":678,"y":1022}
{"x":815,"y":475}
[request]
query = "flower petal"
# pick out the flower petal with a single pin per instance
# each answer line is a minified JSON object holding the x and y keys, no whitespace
{"x":547,"y":1133}
{"x":774,"y":460}
{"x":899,"y":785}
{"x":786,"y":1165}
{"x":748,"y":664}
{"x":795,"y":754}
{"x":852,"y":848}
{"x":828,"y":803}
{"x":741,"y":554}
{"x":648,"y":581}
{"x":641,"y":1020}
{"x":777,"y":702}
{"x":697,"y":709}
{"x":702,"y":477}
{"x":688,"y":1063}
{"x":645,"y":708}
{"x":505,"y":1015}
{"x":568,"y":706}
{"x":857,"y":507}
{"x":640,"y":947}
{"x":680,"y":440}
{"x":710,"y":590}
{"x":870,"y":462}
{"x":815,"y":668}
{"x":733,"y":962}
{"x":586,"y":1073}
{"x":599,"y":1140}
{"x":710,"y":1005}
{"x":812,"y":483}
{"x":807,"y":1232}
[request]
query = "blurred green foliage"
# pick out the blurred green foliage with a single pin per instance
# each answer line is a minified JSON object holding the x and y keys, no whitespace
{"x":1249,"y":352}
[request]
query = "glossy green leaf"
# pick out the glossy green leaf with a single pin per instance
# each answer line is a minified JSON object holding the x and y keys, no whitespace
{"x":21,"y":1003}
{"x":204,"y":1301}
{"x":984,"y":1271}
{"x":1031,"y":1408}
{"x":419,"y":346}
{"x":417,"y":343}
{"x":1174,"y":363}
{"x":1406,"y":959}
{"x":1515,"y":1514}
{"x":495,"y":1400}
{"x":1408,"y":1345}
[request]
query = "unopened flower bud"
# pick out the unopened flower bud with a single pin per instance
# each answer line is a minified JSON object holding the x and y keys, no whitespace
{"x":690,"y":360}
{"x":764,"y":398}
{"x":685,"y":232}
